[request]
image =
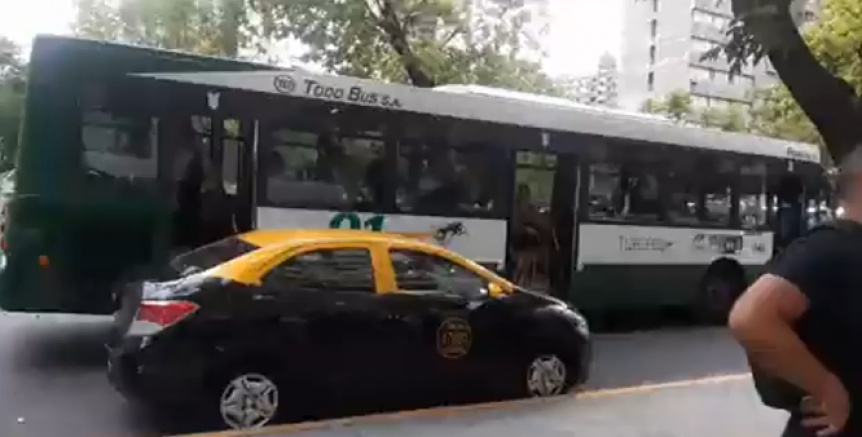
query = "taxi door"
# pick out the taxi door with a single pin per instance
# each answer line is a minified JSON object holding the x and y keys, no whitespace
{"x":454,"y":322}
{"x":327,"y":302}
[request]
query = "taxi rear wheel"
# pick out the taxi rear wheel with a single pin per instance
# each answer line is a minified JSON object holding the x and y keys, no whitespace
{"x":548,"y":373}
{"x":248,"y":396}
{"x":249,"y":400}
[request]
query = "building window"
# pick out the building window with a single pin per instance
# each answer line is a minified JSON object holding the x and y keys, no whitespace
{"x":650,"y":81}
{"x":699,"y":102}
{"x":701,"y":74}
{"x":653,"y":28}
{"x":652,"y":54}
{"x":701,"y":46}
{"x":718,"y":21}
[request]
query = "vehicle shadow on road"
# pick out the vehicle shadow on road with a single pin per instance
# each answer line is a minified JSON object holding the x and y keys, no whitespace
{"x":63,"y":348}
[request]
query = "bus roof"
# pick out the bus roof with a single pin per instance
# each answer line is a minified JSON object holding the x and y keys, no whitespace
{"x":473,"y":102}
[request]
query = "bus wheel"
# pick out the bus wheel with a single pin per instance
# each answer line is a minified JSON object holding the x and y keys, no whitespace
{"x":720,"y":287}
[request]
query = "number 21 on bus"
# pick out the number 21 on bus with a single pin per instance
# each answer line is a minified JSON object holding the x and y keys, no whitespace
{"x":374,"y":223}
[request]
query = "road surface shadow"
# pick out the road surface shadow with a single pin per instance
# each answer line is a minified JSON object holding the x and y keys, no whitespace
{"x":45,"y":345}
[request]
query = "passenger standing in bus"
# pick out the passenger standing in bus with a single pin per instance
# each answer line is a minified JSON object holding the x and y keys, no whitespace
{"x":187,"y":213}
{"x":800,"y":321}
{"x":217,"y":211}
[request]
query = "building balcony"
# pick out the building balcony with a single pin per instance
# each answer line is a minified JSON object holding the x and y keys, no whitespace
{"x":740,"y":92}
{"x":708,"y":32}
{"x":714,"y":6}
{"x":718,"y":63}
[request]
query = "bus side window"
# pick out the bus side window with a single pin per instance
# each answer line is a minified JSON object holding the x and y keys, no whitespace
{"x":119,"y":147}
{"x":323,"y":171}
{"x":629,"y":193}
{"x":437,"y":179}
{"x":752,"y":198}
{"x":682,"y":197}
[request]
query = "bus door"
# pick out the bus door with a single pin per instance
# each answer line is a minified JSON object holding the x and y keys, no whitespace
{"x":205,"y":164}
{"x":786,"y":199}
{"x":543,"y":221}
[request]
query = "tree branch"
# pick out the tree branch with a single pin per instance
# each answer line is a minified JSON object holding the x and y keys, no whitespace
{"x":397,"y":36}
{"x":828,"y":101}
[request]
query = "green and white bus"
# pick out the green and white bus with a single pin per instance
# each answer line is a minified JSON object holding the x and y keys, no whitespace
{"x":605,"y":208}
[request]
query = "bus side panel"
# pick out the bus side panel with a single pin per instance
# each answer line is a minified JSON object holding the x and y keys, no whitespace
{"x":647,"y":267}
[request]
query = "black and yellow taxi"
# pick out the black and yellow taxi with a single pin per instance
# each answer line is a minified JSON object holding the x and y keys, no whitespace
{"x":254,"y":327}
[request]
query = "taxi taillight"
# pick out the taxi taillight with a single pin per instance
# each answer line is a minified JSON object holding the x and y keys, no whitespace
{"x":156,"y":315}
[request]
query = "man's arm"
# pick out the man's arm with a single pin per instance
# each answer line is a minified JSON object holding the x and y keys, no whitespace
{"x":762,"y":321}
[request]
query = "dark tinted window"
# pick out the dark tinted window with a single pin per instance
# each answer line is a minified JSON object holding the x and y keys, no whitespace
{"x":626,"y":193}
{"x":325,"y":270}
{"x":417,"y":271}
{"x":212,"y":254}
{"x":325,"y":164}
{"x":436,"y":178}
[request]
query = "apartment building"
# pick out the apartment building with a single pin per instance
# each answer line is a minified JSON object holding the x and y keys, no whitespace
{"x":664,"y":40}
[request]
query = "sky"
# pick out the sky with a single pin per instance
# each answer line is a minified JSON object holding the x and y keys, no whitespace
{"x":580,"y":30}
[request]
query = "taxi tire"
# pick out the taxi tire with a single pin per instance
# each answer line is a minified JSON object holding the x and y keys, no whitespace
{"x":220,"y":379}
{"x":569,"y":361}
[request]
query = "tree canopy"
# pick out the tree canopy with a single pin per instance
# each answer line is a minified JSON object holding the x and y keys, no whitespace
{"x":422,"y":42}
{"x":12,"y":80}
{"x":678,"y":106}
{"x":819,"y":66}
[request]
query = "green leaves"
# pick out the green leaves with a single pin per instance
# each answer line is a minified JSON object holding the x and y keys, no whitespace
{"x":819,"y":66}
{"x":422,"y":42}
{"x":12,"y":81}
{"x":212,"y":27}
{"x":678,"y":106}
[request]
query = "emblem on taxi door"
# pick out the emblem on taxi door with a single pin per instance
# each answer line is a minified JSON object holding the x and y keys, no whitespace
{"x":454,"y":338}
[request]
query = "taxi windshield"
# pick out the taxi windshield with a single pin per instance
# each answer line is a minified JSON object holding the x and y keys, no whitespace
{"x":211,"y":255}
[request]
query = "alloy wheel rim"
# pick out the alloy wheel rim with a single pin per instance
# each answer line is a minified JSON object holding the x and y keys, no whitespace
{"x":546,"y":376}
{"x":249,"y":401}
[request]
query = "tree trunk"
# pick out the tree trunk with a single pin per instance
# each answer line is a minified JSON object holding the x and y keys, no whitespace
{"x":229,"y":26}
{"x":397,"y":35}
{"x":830,"y":102}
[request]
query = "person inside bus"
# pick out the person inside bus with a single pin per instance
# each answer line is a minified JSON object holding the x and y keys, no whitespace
{"x":531,"y":231}
{"x":189,"y":200}
{"x":217,"y":210}
{"x":442,"y":186}
{"x":335,"y":167}
{"x":375,"y":183}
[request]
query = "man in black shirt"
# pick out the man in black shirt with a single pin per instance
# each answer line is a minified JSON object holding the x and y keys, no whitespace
{"x":802,"y":320}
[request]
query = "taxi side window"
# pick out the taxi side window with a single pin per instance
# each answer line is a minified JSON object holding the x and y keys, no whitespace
{"x":325,"y":270}
{"x":424,"y":272}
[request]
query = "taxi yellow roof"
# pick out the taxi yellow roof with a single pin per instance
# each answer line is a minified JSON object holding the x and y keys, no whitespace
{"x":266,"y":237}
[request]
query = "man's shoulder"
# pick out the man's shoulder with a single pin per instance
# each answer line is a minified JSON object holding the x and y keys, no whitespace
{"x":834,"y":232}
{"x":824,"y":241}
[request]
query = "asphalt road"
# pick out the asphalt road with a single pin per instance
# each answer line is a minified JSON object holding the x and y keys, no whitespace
{"x":717,"y":407}
{"x":52,"y":374}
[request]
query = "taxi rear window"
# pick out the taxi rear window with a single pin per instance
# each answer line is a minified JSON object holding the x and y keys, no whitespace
{"x":212,"y":254}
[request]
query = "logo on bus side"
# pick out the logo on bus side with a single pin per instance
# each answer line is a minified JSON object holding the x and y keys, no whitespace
{"x":284,"y":84}
{"x":443,"y":234}
{"x":355,"y":94}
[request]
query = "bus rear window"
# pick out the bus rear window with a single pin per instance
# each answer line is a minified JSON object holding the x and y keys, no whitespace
{"x":212,"y":254}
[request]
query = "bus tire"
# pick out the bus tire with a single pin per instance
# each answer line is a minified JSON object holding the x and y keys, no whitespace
{"x":720,"y":286}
